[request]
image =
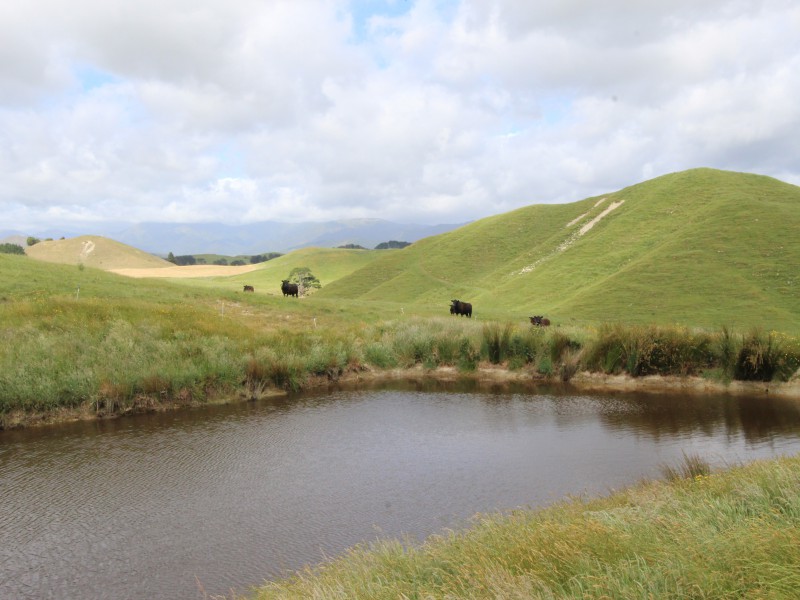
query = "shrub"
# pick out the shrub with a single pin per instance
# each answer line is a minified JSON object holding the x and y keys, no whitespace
{"x":764,"y":358}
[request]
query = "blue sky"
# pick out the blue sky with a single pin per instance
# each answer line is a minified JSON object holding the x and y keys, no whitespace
{"x":426,"y":111}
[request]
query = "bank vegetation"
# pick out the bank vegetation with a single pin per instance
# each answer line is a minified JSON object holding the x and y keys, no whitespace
{"x":65,"y":357}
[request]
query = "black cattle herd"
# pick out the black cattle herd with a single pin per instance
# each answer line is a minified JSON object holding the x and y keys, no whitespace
{"x":457,"y":307}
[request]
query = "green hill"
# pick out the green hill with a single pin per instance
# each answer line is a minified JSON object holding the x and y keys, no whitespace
{"x":327,"y":264}
{"x":699,"y":247}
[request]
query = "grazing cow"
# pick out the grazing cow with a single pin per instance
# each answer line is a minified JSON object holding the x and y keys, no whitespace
{"x":288,"y":289}
{"x":540,"y":321}
{"x":249,"y":288}
{"x":457,"y":307}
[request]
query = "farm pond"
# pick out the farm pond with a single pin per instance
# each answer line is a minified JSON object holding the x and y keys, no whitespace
{"x":196,"y":503}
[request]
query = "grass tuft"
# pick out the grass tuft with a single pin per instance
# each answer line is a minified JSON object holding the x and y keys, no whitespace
{"x":692,"y":467}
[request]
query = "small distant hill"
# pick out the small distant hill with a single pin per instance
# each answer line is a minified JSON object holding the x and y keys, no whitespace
{"x":699,"y":247}
{"x":326,"y":264}
{"x":94,"y":251}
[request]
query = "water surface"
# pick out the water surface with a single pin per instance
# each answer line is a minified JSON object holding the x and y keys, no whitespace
{"x":180,"y":504}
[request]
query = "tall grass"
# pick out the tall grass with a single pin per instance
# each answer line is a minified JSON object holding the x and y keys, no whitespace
{"x":764,"y":357}
{"x":650,"y":350}
{"x":116,"y":353}
{"x":733,"y":534}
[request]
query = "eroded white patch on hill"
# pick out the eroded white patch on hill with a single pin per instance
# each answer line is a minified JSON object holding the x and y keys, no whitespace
{"x":596,"y":220}
{"x":575,"y":235}
{"x":576,"y":220}
{"x":87,"y":248}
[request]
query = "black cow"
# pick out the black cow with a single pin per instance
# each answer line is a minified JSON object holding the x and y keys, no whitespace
{"x":249,"y":288}
{"x":289,"y":289}
{"x":457,"y":307}
{"x":540,"y":321}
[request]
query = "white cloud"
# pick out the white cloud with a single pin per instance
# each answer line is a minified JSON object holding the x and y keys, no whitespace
{"x":420,"y":111}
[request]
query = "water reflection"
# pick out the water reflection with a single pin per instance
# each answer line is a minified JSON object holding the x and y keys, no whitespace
{"x":158,"y":505}
{"x":756,"y":419}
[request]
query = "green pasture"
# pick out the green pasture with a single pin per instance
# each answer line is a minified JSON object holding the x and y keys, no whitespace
{"x":697,"y":248}
{"x":84,"y":338}
{"x":327,"y":264}
{"x":692,"y":273}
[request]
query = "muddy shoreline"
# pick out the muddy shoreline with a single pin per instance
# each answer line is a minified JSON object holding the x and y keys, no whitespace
{"x":492,"y":376}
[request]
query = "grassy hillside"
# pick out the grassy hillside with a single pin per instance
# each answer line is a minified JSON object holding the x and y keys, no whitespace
{"x":95,"y":251}
{"x":327,"y":264}
{"x":92,"y":342}
{"x":700,"y":247}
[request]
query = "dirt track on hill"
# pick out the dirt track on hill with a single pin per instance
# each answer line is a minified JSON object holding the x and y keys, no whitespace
{"x":187,"y":271}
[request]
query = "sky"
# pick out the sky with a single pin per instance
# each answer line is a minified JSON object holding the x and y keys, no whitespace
{"x":418,"y":111}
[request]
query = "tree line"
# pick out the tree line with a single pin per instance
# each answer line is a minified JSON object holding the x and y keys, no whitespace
{"x":191,"y":259}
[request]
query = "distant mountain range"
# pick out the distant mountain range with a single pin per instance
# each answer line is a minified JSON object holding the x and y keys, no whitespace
{"x":254,"y":238}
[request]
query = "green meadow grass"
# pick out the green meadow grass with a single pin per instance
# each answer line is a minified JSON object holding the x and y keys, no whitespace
{"x":733,"y":534}
{"x":693,"y":274}
{"x":697,"y":248}
{"x":680,"y":279}
{"x":83,"y":338}
{"x":327,"y":264}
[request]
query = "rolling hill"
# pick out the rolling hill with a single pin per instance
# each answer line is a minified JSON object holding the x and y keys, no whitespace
{"x":95,"y":251}
{"x":698,"y":247}
{"x":327,"y":264}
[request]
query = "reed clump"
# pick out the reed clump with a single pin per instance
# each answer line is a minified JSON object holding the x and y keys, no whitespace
{"x":650,"y":350}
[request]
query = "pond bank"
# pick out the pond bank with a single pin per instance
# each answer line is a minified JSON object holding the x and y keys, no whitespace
{"x":489,"y":375}
{"x":585,"y":381}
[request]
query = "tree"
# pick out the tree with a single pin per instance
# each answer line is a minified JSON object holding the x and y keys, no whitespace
{"x":32,"y":240}
{"x":171,"y":258}
{"x":11,"y":249}
{"x":391,"y":245}
{"x":259,"y":258}
{"x":304,"y":279}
